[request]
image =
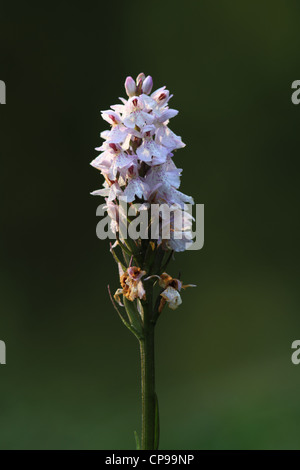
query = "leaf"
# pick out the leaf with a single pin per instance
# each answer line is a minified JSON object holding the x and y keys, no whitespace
{"x":117,"y":260}
{"x":167,"y":261}
{"x":156,"y":424}
{"x":125,"y":252}
{"x":125,"y":248}
{"x":137,"y":441}
{"x":133,"y":315}
{"x":149,"y":257}
{"x":156,"y":266}
{"x":140,"y":308}
{"x":125,"y":257}
{"x":130,"y":327}
{"x":116,"y":308}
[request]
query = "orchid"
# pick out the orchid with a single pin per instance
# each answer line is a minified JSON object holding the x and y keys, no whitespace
{"x":140,"y":178}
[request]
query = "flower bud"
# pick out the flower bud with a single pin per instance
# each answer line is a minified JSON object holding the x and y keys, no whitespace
{"x":139,"y":83}
{"x":130,"y":86}
{"x":147,"y":85}
{"x":140,"y":78}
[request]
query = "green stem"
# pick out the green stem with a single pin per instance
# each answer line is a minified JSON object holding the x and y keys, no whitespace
{"x":148,"y":375}
{"x":148,"y":388}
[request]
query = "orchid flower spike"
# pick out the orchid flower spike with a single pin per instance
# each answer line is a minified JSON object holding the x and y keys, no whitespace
{"x":136,"y":158}
{"x":136,"y":161}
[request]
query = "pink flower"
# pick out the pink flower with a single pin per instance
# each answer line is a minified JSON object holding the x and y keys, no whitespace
{"x":136,"y":157}
{"x":135,"y":115}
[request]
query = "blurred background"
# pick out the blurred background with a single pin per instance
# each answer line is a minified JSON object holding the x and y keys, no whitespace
{"x":225,"y":379}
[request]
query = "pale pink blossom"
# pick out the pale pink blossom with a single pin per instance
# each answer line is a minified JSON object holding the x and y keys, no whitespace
{"x":136,"y":156}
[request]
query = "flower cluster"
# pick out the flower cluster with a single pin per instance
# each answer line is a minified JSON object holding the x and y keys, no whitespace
{"x":136,"y":157}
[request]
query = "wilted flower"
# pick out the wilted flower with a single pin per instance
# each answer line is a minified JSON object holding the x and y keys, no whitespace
{"x":171,"y":287}
{"x":171,"y":293}
{"x":172,"y":297}
{"x":132,"y":286}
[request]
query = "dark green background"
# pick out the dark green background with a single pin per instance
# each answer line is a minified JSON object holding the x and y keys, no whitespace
{"x":224,"y":374}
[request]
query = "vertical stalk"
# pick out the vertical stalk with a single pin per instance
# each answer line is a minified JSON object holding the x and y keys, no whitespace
{"x":148,"y":377}
{"x":148,"y":388}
